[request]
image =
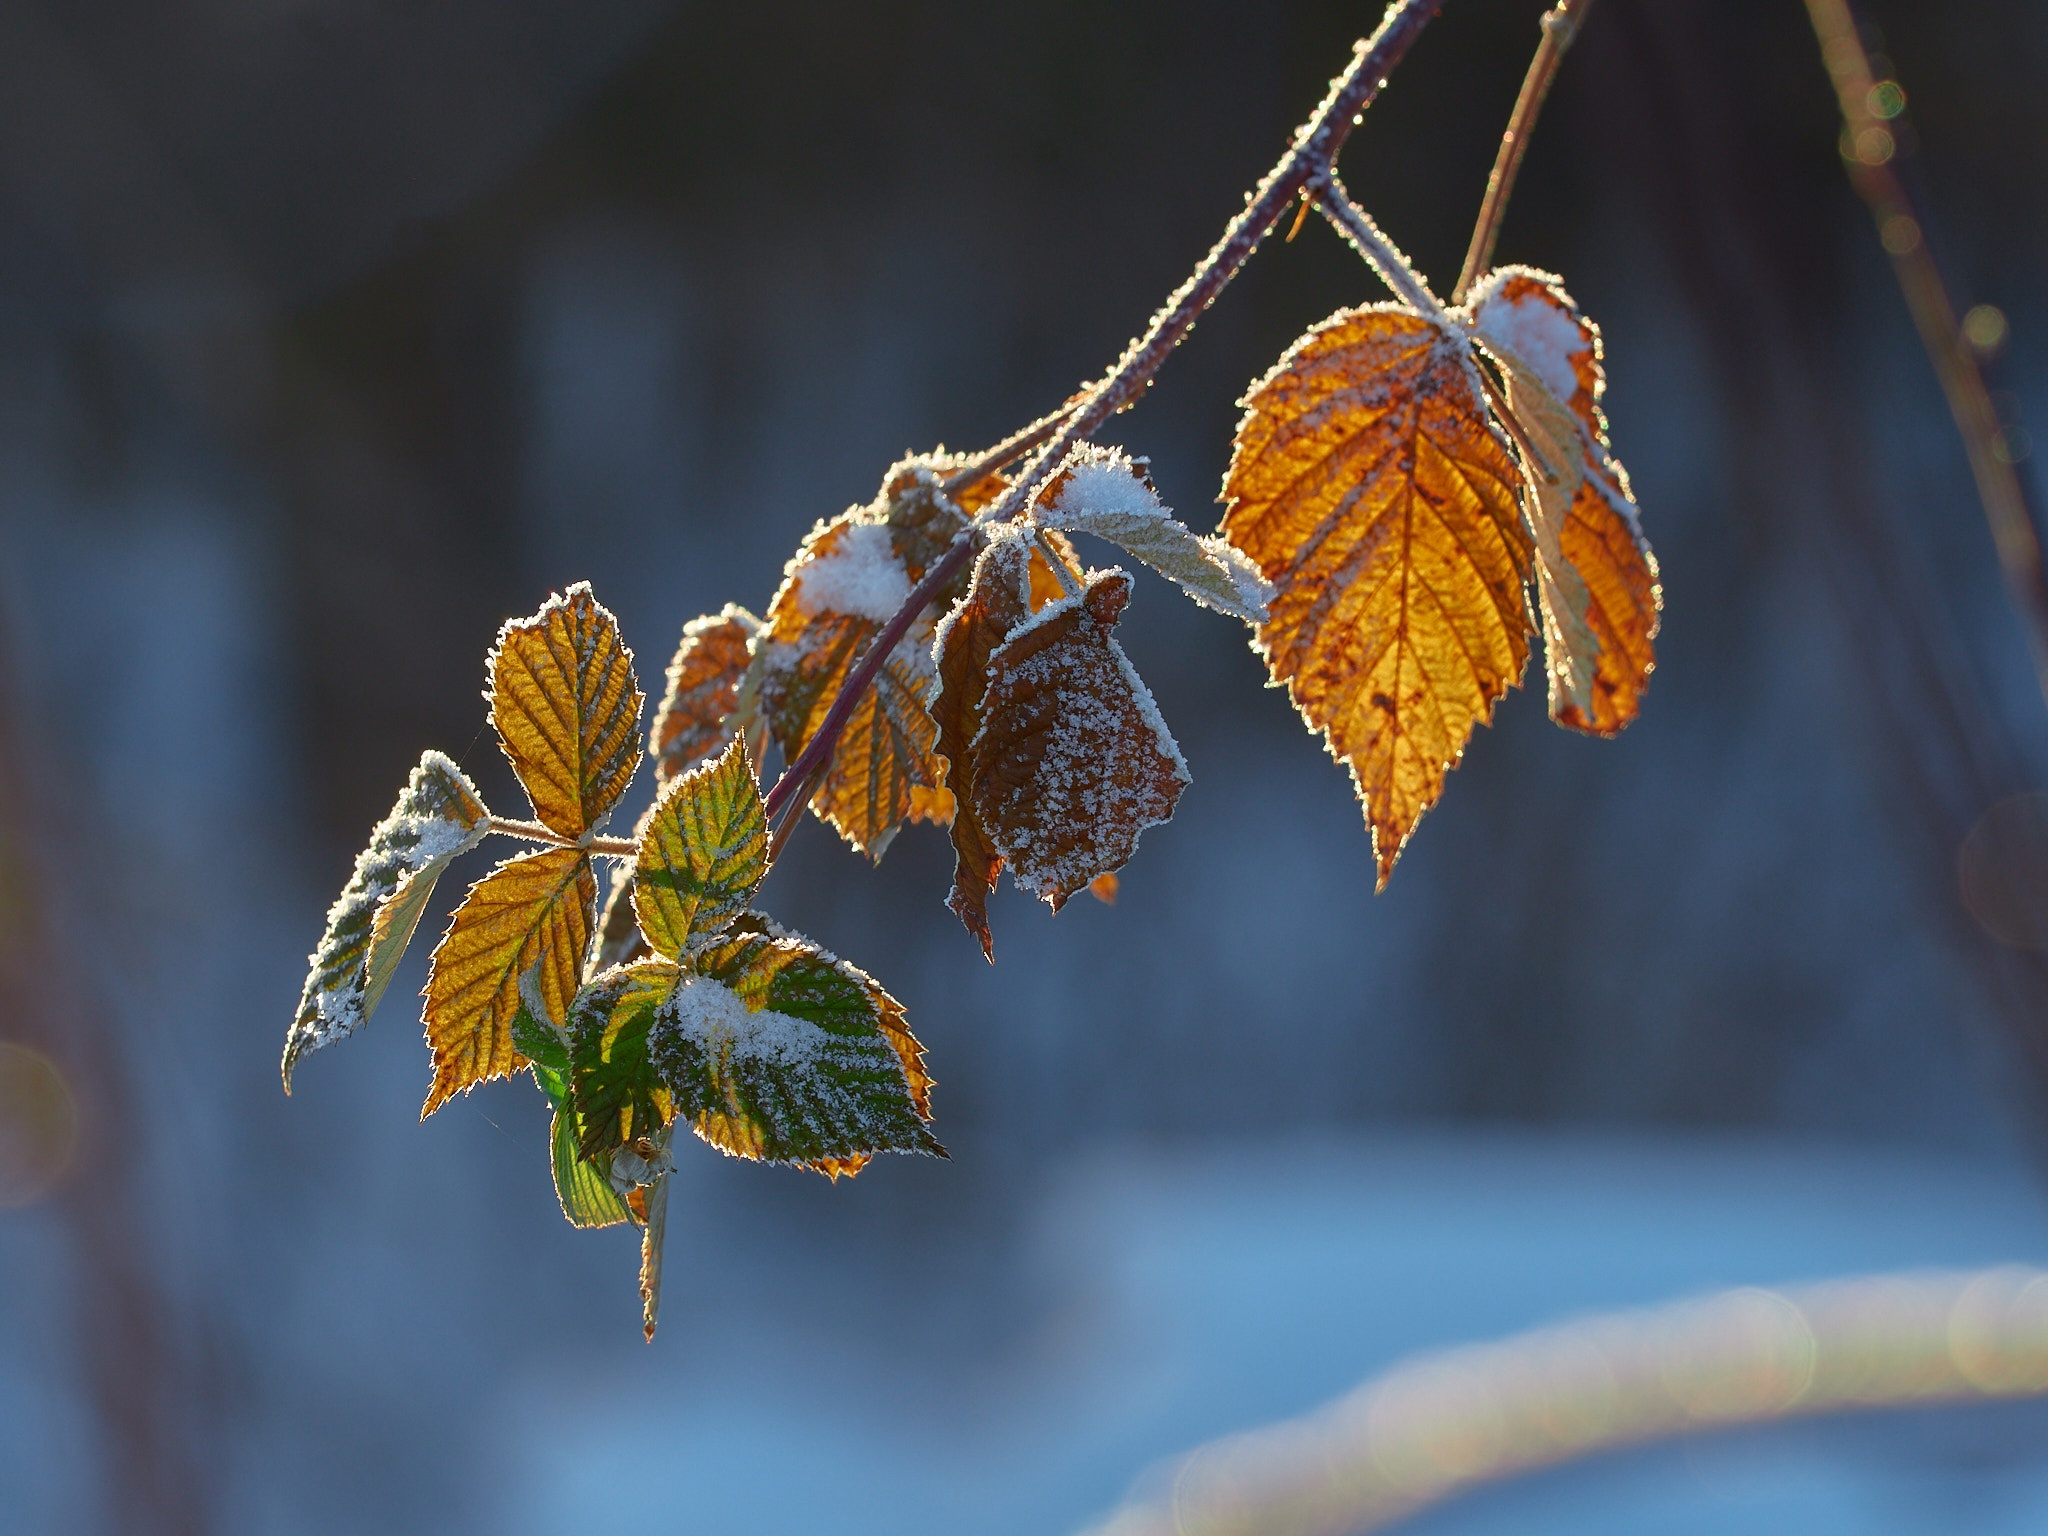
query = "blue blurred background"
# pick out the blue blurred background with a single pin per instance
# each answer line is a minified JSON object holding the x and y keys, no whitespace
{"x":333,"y":332}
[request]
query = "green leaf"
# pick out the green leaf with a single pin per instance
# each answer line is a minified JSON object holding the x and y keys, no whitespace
{"x":704,"y":851}
{"x":617,"y":1095}
{"x":587,"y":1196}
{"x":776,"y":1051}
{"x":438,"y":816}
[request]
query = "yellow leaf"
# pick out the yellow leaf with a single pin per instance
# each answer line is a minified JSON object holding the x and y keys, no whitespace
{"x":524,"y":925}
{"x":847,"y":580}
{"x":567,"y":709}
{"x":1370,"y":487}
{"x":1072,"y":762}
{"x":703,"y":852}
{"x":1528,"y":314}
{"x":703,"y":690}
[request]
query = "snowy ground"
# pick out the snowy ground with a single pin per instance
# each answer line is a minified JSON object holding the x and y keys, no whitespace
{"x":1185,"y":1298}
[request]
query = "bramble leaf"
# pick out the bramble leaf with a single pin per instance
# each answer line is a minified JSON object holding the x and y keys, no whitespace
{"x":1104,"y":492}
{"x":702,"y":853}
{"x":567,"y":709}
{"x":846,"y":581}
{"x":1528,"y":314}
{"x":520,"y":934}
{"x":966,"y":638}
{"x":438,"y":815}
{"x":619,"y":1098}
{"x":778,"y":1052}
{"x":1372,"y":489}
{"x":586,"y":1195}
{"x":696,"y":715}
{"x":1072,"y":761}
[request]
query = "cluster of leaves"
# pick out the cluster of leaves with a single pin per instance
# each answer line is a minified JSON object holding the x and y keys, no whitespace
{"x":1416,"y":494}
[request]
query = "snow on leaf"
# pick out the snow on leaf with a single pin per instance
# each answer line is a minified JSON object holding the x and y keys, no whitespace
{"x":702,"y":853}
{"x":848,"y":578}
{"x":438,"y":815}
{"x":778,"y":1052}
{"x":1369,"y":484}
{"x":520,"y":934}
{"x":1103,"y":492}
{"x":994,"y":605}
{"x":1072,"y":761}
{"x":696,"y":715}
{"x":1527,"y":314}
{"x":567,"y":709}
{"x":619,"y":1099}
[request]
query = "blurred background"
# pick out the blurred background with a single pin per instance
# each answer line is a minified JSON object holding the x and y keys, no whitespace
{"x":334,"y":332}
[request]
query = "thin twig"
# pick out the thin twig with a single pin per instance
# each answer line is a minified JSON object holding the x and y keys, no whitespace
{"x":1015,"y":446}
{"x":1394,"y":269}
{"x":534,"y":832}
{"x":1312,"y":154}
{"x":1560,"y":27}
{"x":1871,"y":146}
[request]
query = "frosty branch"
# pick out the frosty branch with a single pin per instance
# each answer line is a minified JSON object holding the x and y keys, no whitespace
{"x":1416,"y":494}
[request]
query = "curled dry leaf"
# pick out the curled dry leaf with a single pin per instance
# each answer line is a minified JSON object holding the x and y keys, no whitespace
{"x":1372,"y":489}
{"x":1527,"y":314}
{"x":1072,"y":761}
{"x":519,"y":935}
{"x":1104,"y":492}
{"x":696,"y":716}
{"x":846,"y":581}
{"x":567,"y":709}
{"x":995,"y":603}
{"x":438,"y":815}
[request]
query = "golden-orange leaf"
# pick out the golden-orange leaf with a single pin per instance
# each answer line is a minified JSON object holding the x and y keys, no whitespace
{"x":1372,"y":489}
{"x":703,"y":688}
{"x":524,"y":927}
{"x":1528,"y":316}
{"x":1072,"y":762}
{"x":567,"y":709}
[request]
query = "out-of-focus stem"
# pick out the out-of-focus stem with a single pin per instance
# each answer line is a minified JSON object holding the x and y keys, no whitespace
{"x":1870,"y":144}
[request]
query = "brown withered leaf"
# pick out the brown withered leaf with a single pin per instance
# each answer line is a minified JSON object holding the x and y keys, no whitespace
{"x":567,"y":709}
{"x":1104,"y":888}
{"x":1528,"y":314}
{"x":703,"y":689}
{"x":1072,"y":761}
{"x":524,"y":926}
{"x":849,"y":577}
{"x":1371,"y":488}
{"x":994,"y":605}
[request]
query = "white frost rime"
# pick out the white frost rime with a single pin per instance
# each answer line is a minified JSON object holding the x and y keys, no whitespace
{"x":860,"y":575}
{"x":1542,"y":330}
{"x":718,"y":1020}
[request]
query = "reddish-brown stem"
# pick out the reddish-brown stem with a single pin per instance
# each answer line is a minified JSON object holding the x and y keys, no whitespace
{"x":1870,"y":144}
{"x":1309,"y":157}
{"x":1560,"y":26}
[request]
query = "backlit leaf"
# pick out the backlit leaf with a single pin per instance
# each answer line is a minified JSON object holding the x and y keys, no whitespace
{"x":620,"y":1099}
{"x":847,"y":580}
{"x":586,"y":1195}
{"x":778,"y":1052}
{"x":1072,"y":761}
{"x":1104,"y":492}
{"x":567,"y":709}
{"x":1527,"y":313}
{"x":438,"y":815}
{"x":695,"y":718}
{"x":966,"y":638}
{"x":702,"y":853}
{"x":1372,"y":489}
{"x":521,"y":931}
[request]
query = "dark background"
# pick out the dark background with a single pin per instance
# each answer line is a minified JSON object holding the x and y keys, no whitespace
{"x":333,"y":334}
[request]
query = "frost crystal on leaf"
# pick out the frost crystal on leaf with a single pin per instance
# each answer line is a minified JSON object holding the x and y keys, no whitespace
{"x":858,"y":574}
{"x":696,"y":716}
{"x":1519,"y":308}
{"x":438,"y":815}
{"x":1103,"y":492}
{"x":1072,"y":761}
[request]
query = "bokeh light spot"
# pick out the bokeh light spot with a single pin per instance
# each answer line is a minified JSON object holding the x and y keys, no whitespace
{"x":1900,"y":234}
{"x":1984,"y":328}
{"x":2003,"y":869}
{"x":1874,"y":146}
{"x":38,"y":1125}
{"x":1887,"y":98}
